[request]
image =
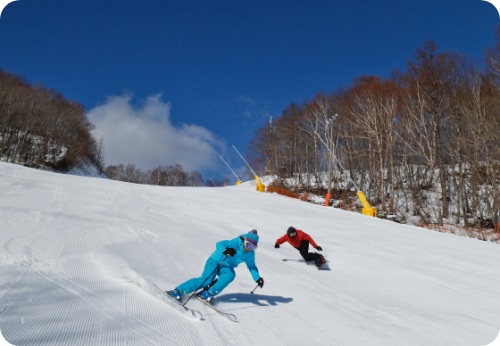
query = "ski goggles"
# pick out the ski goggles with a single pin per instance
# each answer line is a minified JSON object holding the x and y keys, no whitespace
{"x":249,"y":244}
{"x":292,"y":234}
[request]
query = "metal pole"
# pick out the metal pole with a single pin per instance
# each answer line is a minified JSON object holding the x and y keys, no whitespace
{"x":254,"y":289}
{"x":322,"y":141}
{"x":245,"y":161}
{"x":229,"y":167}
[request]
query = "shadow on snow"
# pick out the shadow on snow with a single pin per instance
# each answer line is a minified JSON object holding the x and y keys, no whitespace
{"x":257,"y":299}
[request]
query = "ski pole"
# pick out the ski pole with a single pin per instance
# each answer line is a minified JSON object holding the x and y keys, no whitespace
{"x":254,"y":289}
{"x":203,"y":283}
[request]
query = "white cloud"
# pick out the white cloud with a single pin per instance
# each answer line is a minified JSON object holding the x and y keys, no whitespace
{"x":145,"y":136}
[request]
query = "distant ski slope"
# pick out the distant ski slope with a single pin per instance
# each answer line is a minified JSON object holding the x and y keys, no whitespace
{"x":84,"y":261}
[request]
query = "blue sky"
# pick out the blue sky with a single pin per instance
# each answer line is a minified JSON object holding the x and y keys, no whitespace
{"x":170,"y":82}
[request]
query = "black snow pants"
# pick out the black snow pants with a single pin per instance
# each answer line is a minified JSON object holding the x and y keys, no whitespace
{"x":304,"y":251}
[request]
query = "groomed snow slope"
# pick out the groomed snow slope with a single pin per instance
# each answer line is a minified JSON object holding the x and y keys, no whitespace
{"x":84,"y":261}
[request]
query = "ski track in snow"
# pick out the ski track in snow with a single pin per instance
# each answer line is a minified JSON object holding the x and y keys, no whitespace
{"x":100,"y":306}
{"x":85,"y":261}
{"x":104,"y":308}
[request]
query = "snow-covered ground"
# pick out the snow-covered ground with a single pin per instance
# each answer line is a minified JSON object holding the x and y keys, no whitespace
{"x":84,"y":261}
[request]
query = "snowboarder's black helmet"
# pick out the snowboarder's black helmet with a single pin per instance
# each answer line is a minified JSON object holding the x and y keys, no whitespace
{"x":292,"y":232}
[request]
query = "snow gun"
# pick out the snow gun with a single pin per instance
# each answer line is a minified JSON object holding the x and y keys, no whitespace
{"x":367,"y":208}
{"x":260,"y":186}
{"x":238,"y":181}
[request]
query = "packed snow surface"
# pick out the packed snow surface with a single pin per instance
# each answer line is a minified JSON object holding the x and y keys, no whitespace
{"x":84,"y":261}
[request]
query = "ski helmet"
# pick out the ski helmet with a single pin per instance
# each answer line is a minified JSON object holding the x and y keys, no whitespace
{"x":250,"y":241}
{"x":292,"y":232}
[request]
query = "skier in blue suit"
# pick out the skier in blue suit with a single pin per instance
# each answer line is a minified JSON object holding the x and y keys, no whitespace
{"x":221,"y":263}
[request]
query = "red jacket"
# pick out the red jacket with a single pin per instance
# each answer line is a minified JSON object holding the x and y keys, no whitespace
{"x":295,"y":241}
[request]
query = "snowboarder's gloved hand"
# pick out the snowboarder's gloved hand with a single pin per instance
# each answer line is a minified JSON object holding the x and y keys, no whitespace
{"x":319,"y":248}
{"x":260,"y":282}
{"x":276,"y":246}
{"x":229,"y":252}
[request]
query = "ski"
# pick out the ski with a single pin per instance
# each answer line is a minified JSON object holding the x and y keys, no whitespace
{"x":182,"y":308}
{"x":227,"y":315}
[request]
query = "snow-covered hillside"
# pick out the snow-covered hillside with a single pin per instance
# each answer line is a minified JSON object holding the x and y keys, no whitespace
{"x":84,"y":261}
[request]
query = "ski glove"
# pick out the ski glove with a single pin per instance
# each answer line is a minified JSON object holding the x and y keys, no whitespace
{"x":319,"y":248}
{"x":229,"y":252}
{"x":276,"y":246}
{"x":260,"y":282}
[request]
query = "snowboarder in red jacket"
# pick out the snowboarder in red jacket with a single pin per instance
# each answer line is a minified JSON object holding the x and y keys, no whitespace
{"x":301,"y":240}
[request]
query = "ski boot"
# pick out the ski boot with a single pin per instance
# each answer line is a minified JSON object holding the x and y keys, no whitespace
{"x":206,"y":296}
{"x":175,"y":294}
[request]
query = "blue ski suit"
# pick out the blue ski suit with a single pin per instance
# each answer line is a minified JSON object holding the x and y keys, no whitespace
{"x":217,"y":265}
